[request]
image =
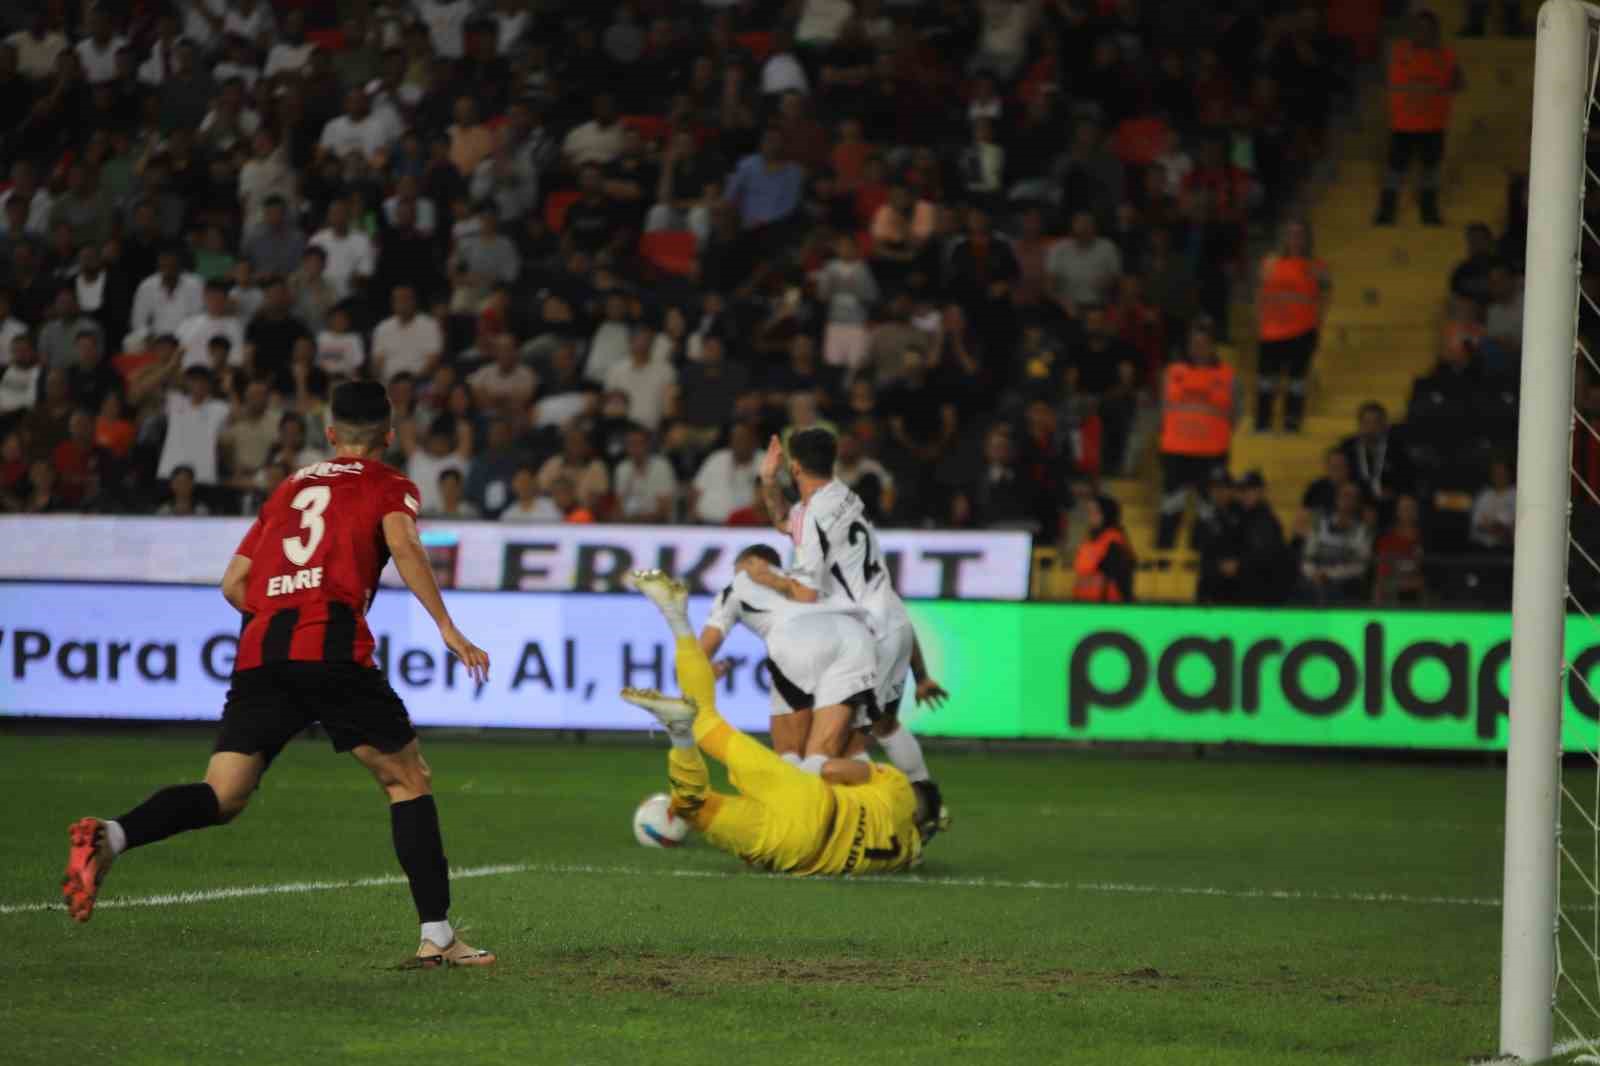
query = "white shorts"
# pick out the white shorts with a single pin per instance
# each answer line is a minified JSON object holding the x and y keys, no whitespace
{"x":893,"y":651}
{"x":819,"y":660}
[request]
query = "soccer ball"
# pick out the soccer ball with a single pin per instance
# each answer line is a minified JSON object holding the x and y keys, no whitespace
{"x":654,"y":824}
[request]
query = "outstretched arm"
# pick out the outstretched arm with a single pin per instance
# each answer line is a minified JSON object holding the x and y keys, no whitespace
{"x":411,"y":560}
{"x":771,"y":491}
{"x":785,"y":586}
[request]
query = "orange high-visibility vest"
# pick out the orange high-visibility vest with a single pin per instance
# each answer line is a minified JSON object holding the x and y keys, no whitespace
{"x":1090,"y":585}
{"x":1197,"y":414}
{"x":1421,"y":84}
{"x":1291,"y":290}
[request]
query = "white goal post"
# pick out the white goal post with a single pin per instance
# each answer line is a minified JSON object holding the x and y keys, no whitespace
{"x":1531,"y":919}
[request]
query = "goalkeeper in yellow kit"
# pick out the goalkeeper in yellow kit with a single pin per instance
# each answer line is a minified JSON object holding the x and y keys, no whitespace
{"x":856,"y":818}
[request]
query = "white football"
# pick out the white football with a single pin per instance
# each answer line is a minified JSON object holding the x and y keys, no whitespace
{"x":654,"y":824}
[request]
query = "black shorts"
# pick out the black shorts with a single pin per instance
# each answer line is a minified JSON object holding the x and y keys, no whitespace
{"x":268,"y":705}
{"x":1290,"y":356}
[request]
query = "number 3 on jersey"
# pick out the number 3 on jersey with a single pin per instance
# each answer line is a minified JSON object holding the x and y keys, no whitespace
{"x":310,"y":502}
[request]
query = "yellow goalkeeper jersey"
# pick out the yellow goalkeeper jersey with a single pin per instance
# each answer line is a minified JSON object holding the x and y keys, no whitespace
{"x":872,"y":831}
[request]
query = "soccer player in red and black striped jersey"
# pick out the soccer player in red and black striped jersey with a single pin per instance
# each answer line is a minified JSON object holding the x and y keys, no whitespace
{"x":303,"y":577}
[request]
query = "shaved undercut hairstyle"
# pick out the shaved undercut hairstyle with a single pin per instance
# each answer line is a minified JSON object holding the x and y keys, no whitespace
{"x":815,"y":450}
{"x":361,"y":414}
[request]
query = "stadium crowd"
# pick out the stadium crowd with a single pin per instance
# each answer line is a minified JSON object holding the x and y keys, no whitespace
{"x":598,"y":255}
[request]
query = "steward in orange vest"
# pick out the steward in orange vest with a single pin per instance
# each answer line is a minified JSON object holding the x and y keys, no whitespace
{"x":1104,"y":563}
{"x":1197,"y":411}
{"x":1292,"y":297}
{"x":1423,"y":80}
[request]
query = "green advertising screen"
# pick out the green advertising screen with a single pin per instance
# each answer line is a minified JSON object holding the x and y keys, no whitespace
{"x":1325,"y":678}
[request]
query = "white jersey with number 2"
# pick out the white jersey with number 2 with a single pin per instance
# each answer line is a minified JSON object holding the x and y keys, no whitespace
{"x":837,"y":553}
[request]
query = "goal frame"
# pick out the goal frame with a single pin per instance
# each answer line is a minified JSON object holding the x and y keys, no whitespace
{"x":1556,"y":186}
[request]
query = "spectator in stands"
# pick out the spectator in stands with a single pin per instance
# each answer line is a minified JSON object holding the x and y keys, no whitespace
{"x":450,"y":501}
{"x":1502,"y":323}
{"x":864,"y":475}
{"x":506,"y":384}
{"x":645,"y":381}
{"x":577,"y":463}
{"x":1399,"y":555}
{"x":21,"y":379}
{"x":251,"y":432}
{"x":1423,"y":81}
{"x":351,"y":257}
{"x":1379,"y":464}
{"x":1107,"y":368}
{"x":313,"y":293}
{"x":707,"y":390}
{"x":164,"y":301}
{"x":1470,"y":278}
{"x":565,"y":497}
{"x":183,"y":502}
{"x":1250,"y":560}
{"x":407,"y":342}
{"x":88,"y":376}
{"x":646,"y":487}
{"x":1321,"y":497}
{"x":1292,"y":301}
{"x":765,"y":188}
{"x":846,"y":286}
{"x":1083,"y":268}
{"x":1197,"y":416}
{"x":1494,"y":510}
{"x":1337,"y":553}
{"x":529,"y":504}
{"x":1104,"y":565}
{"x":726,"y":481}
{"x":214,"y":319}
{"x":488,"y":483}
{"x":447,"y":445}
{"x":195,"y":419}
{"x":1000,"y":497}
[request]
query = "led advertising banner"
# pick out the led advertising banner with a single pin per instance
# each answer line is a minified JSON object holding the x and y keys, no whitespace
{"x":1389,"y":679}
{"x":1334,"y":678}
{"x":974,"y":565}
{"x":166,"y":651}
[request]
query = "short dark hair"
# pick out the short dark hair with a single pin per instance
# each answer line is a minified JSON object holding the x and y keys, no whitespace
{"x":361,"y":414}
{"x":764,"y":552}
{"x":815,"y":450}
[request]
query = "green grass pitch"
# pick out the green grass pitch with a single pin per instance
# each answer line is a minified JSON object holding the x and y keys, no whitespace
{"x":1085,"y":909}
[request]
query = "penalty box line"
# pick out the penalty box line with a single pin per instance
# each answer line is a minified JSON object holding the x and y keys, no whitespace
{"x":283,"y":888}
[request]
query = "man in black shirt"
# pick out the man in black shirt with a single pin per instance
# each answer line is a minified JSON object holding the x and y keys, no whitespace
{"x":272,"y":335}
{"x":1107,"y":368}
{"x":590,"y":219}
{"x":802,"y":373}
{"x":90,"y":379}
{"x":410,"y":257}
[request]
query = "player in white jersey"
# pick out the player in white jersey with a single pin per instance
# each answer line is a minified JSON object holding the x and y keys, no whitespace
{"x":821,"y":655}
{"x":837,"y":557}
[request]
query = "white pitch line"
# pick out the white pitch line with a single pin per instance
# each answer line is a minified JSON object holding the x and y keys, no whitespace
{"x":212,"y":895}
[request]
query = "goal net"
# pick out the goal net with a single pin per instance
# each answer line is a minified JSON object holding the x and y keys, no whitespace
{"x":1550,"y":948}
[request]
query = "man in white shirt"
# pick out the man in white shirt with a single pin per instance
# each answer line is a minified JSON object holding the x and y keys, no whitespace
{"x":406,"y":342}
{"x":447,"y":22}
{"x":782,"y":72}
{"x":291,"y":52}
{"x":726,"y":481}
{"x":598,"y":141}
{"x":164,"y":301}
{"x":530,"y":505}
{"x":98,"y":52}
{"x":1082,"y":268}
{"x":21,"y":381}
{"x":214,"y":320}
{"x":442,"y":449}
{"x":25,"y":184}
{"x":359,"y":129}
{"x":644,"y":482}
{"x":194,"y":427}
{"x":37,"y":47}
{"x":351,"y":258}
{"x":644,"y":380}
{"x":608,"y":346}
{"x":505,"y":384}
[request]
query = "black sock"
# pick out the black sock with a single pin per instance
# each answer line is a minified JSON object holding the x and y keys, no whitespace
{"x":173,"y":810}
{"x":420,"y":849}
